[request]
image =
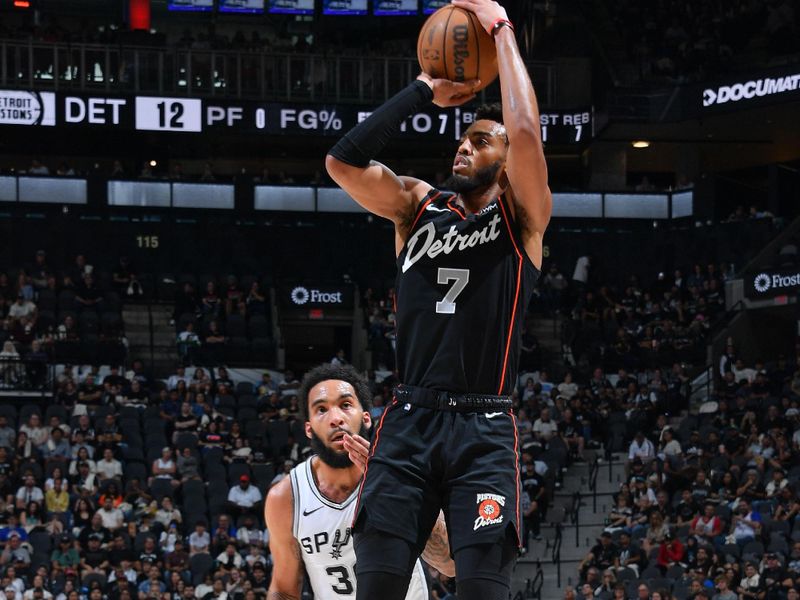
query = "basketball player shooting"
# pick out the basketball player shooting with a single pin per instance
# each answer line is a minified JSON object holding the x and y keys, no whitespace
{"x":468,"y":257}
{"x":309,"y":513}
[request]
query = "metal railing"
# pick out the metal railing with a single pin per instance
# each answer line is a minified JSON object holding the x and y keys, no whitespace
{"x":264,"y":75}
{"x":26,"y":376}
{"x":574,"y":516}
{"x":556,"y":553}
{"x":594,"y":470}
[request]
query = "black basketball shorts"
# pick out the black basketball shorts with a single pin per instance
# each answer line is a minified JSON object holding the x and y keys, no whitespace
{"x":433,"y":451}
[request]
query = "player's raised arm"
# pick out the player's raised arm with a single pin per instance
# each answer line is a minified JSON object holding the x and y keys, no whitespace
{"x":287,"y":571}
{"x":373,"y":185}
{"x":525,"y":163}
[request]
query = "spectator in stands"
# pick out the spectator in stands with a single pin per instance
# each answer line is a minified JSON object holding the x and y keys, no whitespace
{"x":57,"y":498}
{"x":125,"y":280}
{"x":109,"y":467}
{"x":22,"y":308}
{"x":7,"y":434}
{"x":628,"y":555}
{"x":15,"y":555}
{"x":256,"y":300}
{"x":185,"y":422}
{"x":90,"y":397}
{"x":88,"y":295}
{"x":28,"y":492}
{"x":188,"y":342}
{"x":213,"y":342}
{"x":188,"y":466}
{"x":57,"y":448}
{"x":657,"y":531}
{"x":164,"y":467}
{"x":746,"y":523}
{"x":642,"y":448}
{"x":111,"y":516}
{"x":244,"y":497}
{"x":602,"y":555}
{"x":85,"y":482}
{"x":199,"y":540}
{"x":750,"y":587}
{"x":670,"y":553}
{"x":180,"y":375}
{"x":37,"y":168}
{"x":706,"y":527}
{"x":210,"y":303}
{"x":544,"y":427}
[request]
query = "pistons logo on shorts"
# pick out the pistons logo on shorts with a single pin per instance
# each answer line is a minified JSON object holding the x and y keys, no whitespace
{"x":489,"y":510}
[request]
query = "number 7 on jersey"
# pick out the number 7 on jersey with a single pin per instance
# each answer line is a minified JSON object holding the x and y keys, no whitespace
{"x":447,"y":305}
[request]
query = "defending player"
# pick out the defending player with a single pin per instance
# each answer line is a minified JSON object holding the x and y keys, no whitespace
{"x":309,"y":513}
{"x":467,"y":262}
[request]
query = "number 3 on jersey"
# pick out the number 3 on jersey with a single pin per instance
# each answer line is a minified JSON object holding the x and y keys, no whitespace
{"x":344,"y":584}
{"x":447,"y":305}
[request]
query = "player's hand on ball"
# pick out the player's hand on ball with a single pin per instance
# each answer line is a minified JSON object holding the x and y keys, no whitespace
{"x":487,"y":11}
{"x":450,"y":93}
{"x":357,"y":449}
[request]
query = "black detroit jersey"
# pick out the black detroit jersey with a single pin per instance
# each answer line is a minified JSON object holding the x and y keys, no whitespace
{"x":463,"y":284}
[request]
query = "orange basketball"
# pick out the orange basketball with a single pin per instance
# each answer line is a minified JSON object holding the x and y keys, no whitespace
{"x":453,"y":45}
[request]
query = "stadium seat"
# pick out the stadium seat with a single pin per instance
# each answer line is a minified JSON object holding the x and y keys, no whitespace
{"x":136,"y":470}
{"x":9,"y":411}
{"x":245,"y":415}
{"x":244,"y":388}
{"x":47,"y":300}
{"x":46,"y":321}
{"x":33,"y":466}
{"x":132,"y":453}
{"x":754,"y":547}
{"x":40,"y":541}
{"x":26,"y":411}
{"x":66,"y":302}
{"x":186,"y":440}
{"x":235,"y":326}
{"x":112,"y":302}
{"x":675,"y":572}
{"x":246,"y":400}
{"x":160,"y":488}
{"x":215,"y":472}
{"x":213,"y":455}
{"x":199,"y":565}
{"x":89,"y":580}
{"x":651,"y":572}
{"x":235,"y":471}
{"x":258,"y":327}
{"x":56,"y":410}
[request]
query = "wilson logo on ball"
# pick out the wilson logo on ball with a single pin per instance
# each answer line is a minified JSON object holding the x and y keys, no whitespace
{"x":461,"y":47}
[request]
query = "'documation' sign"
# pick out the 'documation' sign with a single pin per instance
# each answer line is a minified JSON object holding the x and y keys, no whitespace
{"x":756,"y":89}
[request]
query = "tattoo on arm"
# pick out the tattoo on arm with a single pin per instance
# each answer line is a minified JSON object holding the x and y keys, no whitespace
{"x":437,"y":550}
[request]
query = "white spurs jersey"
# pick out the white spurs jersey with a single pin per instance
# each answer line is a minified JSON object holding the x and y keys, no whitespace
{"x":322,"y":528}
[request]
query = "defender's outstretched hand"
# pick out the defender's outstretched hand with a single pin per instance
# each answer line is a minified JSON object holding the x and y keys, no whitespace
{"x":450,"y":93}
{"x":487,"y":11}
{"x":357,"y":449}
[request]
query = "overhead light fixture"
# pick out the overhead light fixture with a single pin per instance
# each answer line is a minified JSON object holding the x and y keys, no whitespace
{"x":153,"y":163}
{"x":641,"y":144}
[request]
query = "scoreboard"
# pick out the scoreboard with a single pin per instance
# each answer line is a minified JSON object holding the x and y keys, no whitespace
{"x":204,"y":115}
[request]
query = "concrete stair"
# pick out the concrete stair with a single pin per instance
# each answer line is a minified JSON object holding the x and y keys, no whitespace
{"x":576,"y":541}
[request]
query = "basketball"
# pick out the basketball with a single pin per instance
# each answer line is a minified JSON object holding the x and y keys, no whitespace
{"x":453,"y":45}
